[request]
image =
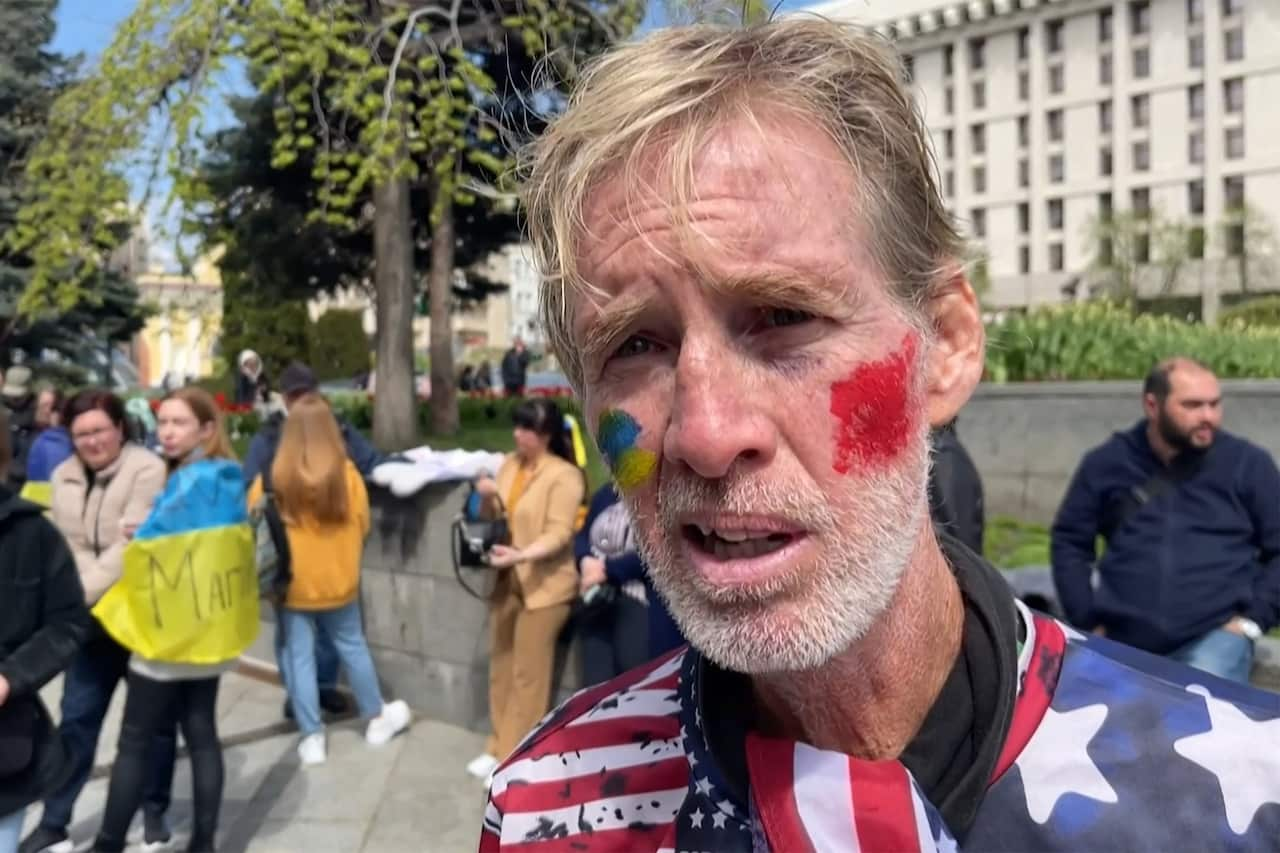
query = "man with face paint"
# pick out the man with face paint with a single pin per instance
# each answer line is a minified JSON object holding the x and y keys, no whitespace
{"x":1191,"y":519}
{"x":752,"y":281}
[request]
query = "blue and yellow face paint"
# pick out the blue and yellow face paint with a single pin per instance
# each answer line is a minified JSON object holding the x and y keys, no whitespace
{"x":617,"y":435}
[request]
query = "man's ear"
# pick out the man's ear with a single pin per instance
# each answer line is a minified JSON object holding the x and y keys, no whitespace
{"x":958,"y":353}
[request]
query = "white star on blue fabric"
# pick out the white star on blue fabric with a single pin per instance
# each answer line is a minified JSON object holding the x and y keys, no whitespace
{"x":703,"y":786}
{"x":718,"y":819}
{"x":1056,"y":761}
{"x":1241,"y":753}
{"x":695,"y":818}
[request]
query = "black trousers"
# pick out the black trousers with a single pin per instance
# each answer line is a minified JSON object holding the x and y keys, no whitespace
{"x":613,"y":643}
{"x":151,"y":705}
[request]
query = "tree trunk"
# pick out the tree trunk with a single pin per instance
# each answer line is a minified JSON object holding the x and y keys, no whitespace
{"x":444,"y":388}
{"x":395,"y":415}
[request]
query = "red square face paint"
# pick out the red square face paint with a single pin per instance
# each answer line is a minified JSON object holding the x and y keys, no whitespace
{"x":871,"y":410}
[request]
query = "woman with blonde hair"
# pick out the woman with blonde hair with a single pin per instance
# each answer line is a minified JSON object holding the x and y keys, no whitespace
{"x":322,"y":499}
{"x":199,"y":508}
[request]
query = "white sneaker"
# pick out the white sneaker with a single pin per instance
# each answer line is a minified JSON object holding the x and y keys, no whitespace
{"x":483,"y":766}
{"x":392,"y":721}
{"x":311,"y":749}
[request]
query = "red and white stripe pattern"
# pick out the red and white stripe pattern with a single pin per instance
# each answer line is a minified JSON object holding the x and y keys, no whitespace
{"x":811,"y":801}
{"x":606,"y":770}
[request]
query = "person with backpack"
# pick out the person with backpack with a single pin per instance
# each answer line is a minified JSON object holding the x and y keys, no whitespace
{"x":43,"y":623}
{"x":296,"y":381}
{"x":540,"y":489}
{"x":321,"y":498}
{"x":109,"y":485}
{"x":197,"y":529}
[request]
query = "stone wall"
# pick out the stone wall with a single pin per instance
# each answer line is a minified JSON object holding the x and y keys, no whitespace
{"x":1027,"y":439}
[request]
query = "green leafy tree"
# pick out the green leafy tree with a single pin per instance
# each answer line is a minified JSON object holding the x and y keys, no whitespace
{"x":338,"y":346}
{"x":385,"y":96}
{"x":1127,"y":245}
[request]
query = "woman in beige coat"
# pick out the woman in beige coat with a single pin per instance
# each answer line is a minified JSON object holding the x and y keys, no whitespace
{"x":99,"y":496}
{"x":541,"y":490}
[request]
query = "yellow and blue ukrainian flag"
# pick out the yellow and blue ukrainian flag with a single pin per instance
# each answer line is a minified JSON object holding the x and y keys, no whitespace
{"x":189,"y":590}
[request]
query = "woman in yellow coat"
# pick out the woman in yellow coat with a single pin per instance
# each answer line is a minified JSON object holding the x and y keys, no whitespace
{"x":541,"y":491}
{"x":322,"y":500}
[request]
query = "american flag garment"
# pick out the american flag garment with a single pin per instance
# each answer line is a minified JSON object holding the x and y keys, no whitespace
{"x":1108,"y":749}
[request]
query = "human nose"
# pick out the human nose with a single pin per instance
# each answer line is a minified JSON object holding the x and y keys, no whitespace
{"x":716,"y":417}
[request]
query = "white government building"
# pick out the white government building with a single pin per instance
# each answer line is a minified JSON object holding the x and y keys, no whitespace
{"x":1044,"y":114}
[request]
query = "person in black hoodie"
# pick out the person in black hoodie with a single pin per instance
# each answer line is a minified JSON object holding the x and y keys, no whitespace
{"x":43,"y":622}
{"x":1191,"y":519}
{"x":955,"y":490}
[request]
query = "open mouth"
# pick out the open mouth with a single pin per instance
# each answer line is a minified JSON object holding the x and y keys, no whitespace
{"x":735,"y":544}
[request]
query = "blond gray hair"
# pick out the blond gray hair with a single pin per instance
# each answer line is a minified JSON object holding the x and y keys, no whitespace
{"x":671,"y":90}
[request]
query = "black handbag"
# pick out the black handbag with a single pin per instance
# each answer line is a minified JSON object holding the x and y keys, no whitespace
{"x":473,"y":538}
{"x":18,"y":722}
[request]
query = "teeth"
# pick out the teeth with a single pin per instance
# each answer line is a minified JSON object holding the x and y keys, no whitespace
{"x":732,"y":535}
{"x":744,"y":550}
{"x":704,"y":530}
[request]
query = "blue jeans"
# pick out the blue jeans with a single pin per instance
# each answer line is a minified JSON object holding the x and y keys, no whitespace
{"x":326,"y":656}
{"x":1221,"y":652}
{"x":11,"y":831}
{"x":344,"y":628}
{"x":87,"y":688}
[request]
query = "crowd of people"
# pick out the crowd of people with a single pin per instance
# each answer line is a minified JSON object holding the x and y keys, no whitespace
{"x":65,"y":558}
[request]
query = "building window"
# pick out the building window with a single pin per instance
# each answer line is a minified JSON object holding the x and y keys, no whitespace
{"x":1195,"y":242}
{"x":949,"y":100}
{"x":1235,"y":239}
{"x":1104,"y":116}
{"x":948,"y":60}
{"x":1104,"y":205}
{"x":1195,"y":147}
{"x":1142,"y":248}
{"x":977,"y":54}
{"x":1057,"y":79}
{"x":949,"y":143}
{"x":978,"y":219}
{"x":1106,"y":69}
{"x":1055,"y":214}
{"x":979,"y":94}
{"x":1195,"y":11}
{"x":1105,"y":26}
{"x":1140,"y":107}
{"x":978,"y":139}
{"x":1142,"y":156}
{"x":949,"y":183}
{"x":1024,"y":218}
{"x":1195,"y":102}
{"x":1233,"y":45}
{"x":1024,"y":85}
{"x":1024,"y":43}
{"x":1233,"y":192}
{"x":1232,"y":7}
{"x":1024,"y":260}
{"x":1233,"y":95}
{"x":1140,"y":17}
{"x":1141,"y":62}
{"x":1195,"y":51}
{"x":1024,"y":131}
{"x":1105,"y":164}
{"x":1235,"y":143}
{"x":1195,"y":198}
{"x":1055,"y":125}
{"x":1140,"y":200}
{"x":1024,"y":173}
{"x":1055,"y":257}
{"x":909,"y":67}
{"x":1057,"y":169}
{"x":979,"y":179}
{"x":1053,"y":36}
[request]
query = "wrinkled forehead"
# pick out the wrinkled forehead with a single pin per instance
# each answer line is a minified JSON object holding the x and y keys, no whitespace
{"x":750,"y":191}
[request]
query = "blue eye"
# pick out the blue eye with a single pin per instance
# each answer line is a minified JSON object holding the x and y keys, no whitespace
{"x":633,"y":346}
{"x":778,"y":317}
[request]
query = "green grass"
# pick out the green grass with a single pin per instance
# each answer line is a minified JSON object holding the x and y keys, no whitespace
{"x":1013,"y":544}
